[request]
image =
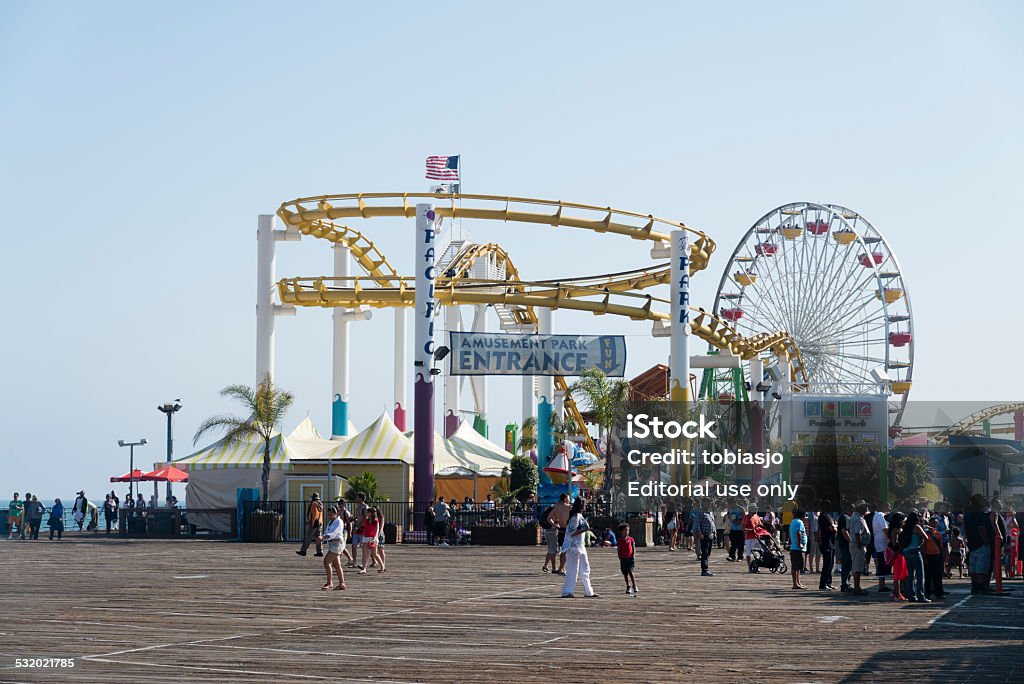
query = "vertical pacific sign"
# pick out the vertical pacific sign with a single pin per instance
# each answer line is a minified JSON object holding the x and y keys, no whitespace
{"x":679,"y":357}
{"x":423,"y":387}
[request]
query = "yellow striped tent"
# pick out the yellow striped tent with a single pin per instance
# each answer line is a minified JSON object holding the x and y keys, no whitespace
{"x":245,"y":454}
{"x":380,"y":441}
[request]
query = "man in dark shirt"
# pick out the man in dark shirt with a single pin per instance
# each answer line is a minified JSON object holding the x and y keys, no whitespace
{"x":843,"y":545}
{"x":980,"y":535}
{"x":827,"y":545}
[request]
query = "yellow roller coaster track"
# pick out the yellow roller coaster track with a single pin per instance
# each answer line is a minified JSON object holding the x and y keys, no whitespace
{"x":355,"y":293}
{"x":315,"y":216}
{"x":304,"y":213}
{"x":964,"y":424}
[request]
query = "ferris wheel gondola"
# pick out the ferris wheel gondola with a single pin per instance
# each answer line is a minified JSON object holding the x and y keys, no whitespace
{"x":827,"y":276}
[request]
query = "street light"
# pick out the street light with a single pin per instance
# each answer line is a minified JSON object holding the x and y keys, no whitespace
{"x":131,"y":464}
{"x":169,"y":409}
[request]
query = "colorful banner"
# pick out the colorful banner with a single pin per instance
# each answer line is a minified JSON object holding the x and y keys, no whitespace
{"x":510,"y":354}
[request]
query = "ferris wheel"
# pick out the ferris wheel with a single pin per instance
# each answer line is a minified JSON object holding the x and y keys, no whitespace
{"x":828,"y":277}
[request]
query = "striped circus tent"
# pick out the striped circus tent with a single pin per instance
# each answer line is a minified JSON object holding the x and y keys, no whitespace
{"x":307,"y":432}
{"x":482,"y":454}
{"x":245,"y":454}
{"x":380,"y":441}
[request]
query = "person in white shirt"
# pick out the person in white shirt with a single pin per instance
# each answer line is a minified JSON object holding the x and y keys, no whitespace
{"x":880,"y":540}
{"x":576,"y":553}
{"x":487,"y":504}
{"x":334,"y":535}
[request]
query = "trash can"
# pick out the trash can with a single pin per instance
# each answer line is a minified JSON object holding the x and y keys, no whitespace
{"x":392,"y":533}
{"x":137,"y":526}
{"x":266,"y":526}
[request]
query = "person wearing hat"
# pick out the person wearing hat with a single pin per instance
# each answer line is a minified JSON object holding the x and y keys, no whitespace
{"x":314,"y":524}
{"x":78,"y":509}
{"x":859,"y":532}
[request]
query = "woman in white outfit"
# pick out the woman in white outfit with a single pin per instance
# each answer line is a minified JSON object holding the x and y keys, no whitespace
{"x":334,"y":536}
{"x":577,"y":561}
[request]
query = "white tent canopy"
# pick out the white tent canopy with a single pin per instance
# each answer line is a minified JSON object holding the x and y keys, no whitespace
{"x":380,"y":441}
{"x":469,"y":450}
{"x":247,"y":453}
{"x":304,"y":443}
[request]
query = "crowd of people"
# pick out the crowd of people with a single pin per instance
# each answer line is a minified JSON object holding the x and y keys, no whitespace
{"x":361,"y":529}
{"x":25,"y":515}
{"x":910,"y":551}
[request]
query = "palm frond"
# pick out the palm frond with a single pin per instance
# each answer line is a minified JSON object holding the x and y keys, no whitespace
{"x":223,"y":422}
{"x":242,"y":393}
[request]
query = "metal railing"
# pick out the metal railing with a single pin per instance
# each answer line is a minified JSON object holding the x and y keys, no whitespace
{"x":409,"y":517}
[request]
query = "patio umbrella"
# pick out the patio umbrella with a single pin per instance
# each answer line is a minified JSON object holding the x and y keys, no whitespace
{"x":134,"y":475}
{"x":166,"y":474}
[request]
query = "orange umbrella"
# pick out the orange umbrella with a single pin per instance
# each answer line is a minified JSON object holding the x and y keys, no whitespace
{"x":134,"y":475}
{"x":166,"y":474}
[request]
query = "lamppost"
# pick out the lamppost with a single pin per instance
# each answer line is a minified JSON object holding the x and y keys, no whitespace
{"x":169,"y":409}
{"x":131,"y":465}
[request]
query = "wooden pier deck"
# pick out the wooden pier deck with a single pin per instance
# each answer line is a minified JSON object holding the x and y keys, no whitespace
{"x":203,"y":611}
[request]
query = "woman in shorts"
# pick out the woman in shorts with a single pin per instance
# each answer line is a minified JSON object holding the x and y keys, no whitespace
{"x":371,"y":529}
{"x":673,"y":530}
{"x":334,"y":536}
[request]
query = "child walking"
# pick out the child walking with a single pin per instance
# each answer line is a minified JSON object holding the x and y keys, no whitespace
{"x":956,"y":554}
{"x":627,"y":558}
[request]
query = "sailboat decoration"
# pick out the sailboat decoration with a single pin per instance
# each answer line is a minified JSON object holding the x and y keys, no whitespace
{"x":558,"y":468}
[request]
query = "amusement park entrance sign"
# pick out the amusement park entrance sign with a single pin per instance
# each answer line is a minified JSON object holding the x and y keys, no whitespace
{"x":509,"y":354}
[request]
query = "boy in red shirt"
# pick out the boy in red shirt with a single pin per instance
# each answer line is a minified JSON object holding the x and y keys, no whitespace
{"x":627,"y":560}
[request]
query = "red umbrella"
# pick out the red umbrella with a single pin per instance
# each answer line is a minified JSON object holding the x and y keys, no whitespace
{"x":134,"y":475}
{"x":166,"y":474}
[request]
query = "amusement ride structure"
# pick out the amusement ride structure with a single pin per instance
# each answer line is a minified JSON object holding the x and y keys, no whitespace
{"x":483,"y":275}
{"x":824,"y":274}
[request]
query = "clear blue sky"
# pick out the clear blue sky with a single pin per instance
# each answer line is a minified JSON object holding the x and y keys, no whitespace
{"x":142,"y":140}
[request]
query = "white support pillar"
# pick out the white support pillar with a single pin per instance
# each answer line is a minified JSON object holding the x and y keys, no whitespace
{"x":340,"y":350}
{"x":528,"y":394}
{"x":265,"y":276}
{"x":452,"y":383}
{"x":756,"y":416}
{"x":545,"y":399}
{"x":479,"y":382}
{"x":679,"y":357}
{"x":401,"y":382}
{"x":756,"y":378}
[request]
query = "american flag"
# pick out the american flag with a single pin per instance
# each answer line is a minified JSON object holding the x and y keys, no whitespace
{"x":443,"y":168}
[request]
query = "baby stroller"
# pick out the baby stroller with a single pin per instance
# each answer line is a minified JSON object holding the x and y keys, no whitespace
{"x":768,"y":556}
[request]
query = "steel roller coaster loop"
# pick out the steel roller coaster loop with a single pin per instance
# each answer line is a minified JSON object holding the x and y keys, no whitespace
{"x":382,"y":287}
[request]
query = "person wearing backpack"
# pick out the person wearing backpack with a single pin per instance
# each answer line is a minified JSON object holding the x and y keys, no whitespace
{"x":550,"y":527}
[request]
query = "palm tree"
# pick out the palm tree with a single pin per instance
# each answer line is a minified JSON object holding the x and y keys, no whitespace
{"x":366,"y":484}
{"x":266,"y":406}
{"x":559,"y":428}
{"x":602,"y":397}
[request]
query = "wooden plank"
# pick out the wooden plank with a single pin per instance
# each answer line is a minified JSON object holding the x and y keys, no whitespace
{"x":212,"y":611}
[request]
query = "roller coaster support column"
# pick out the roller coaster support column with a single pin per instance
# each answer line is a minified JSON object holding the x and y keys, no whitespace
{"x":266,"y":237}
{"x":787,"y":411}
{"x":1018,"y":425}
{"x":756,"y":417}
{"x":401,"y":401}
{"x":529,"y":398}
{"x":679,"y":357}
{"x":452,"y":393}
{"x":479,"y":382}
{"x":423,"y":364}
{"x":545,"y":436}
{"x":340,"y":366}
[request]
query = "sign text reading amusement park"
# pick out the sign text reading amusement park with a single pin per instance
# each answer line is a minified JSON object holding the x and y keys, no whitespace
{"x":506,"y":354}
